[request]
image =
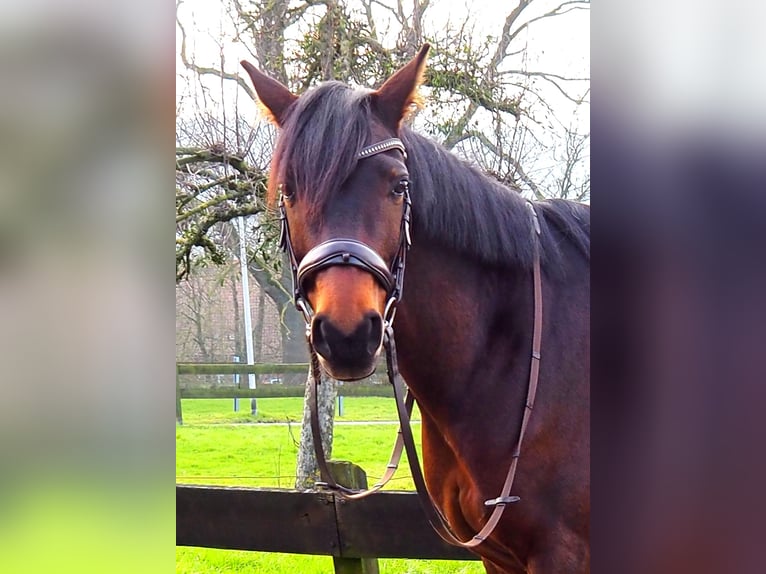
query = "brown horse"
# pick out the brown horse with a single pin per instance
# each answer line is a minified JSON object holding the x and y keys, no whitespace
{"x":346,"y":170}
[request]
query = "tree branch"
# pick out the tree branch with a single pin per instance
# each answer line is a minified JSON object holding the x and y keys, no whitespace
{"x":195,"y":155}
{"x":518,"y":169}
{"x":490,"y":73}
{"x":570,"y":5}
{"x":217,"y":200}
{"x":204,"y":70}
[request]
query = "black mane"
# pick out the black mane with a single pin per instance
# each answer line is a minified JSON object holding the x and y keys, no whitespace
{"x":454,"y":203}
{"x":460,"y":207}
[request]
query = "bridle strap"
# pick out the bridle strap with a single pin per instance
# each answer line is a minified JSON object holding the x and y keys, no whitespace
{"x":437,"y":520}
{"x":328,"y":480}
{"x":356,"y":253}
{"x":352,"y":252}
{"x":385,"y":145}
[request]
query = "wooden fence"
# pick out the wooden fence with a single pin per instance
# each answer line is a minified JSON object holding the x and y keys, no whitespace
{"x":355,"y":533}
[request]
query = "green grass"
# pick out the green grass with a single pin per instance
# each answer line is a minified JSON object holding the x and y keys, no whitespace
{"x":208,"y":452}
{"x":244,"y":455}
{"x":207,"y":560}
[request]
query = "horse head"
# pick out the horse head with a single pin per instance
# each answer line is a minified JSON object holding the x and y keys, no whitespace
{"x":340,"y":175}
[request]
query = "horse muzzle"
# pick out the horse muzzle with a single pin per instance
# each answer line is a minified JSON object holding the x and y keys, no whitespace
{"x":349,"y":283}
{"x":348,"y":355}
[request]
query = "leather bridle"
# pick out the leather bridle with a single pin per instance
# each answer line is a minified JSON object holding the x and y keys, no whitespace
{"x":345,"y":251}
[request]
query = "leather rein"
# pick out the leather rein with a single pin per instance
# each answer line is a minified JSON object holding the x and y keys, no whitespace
{"x":344,"y":251}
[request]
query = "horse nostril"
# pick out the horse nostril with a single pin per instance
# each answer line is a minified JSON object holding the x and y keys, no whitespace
{"x":319,"y":337}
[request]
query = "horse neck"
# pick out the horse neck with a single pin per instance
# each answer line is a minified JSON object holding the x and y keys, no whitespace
{"x":462,"y":333}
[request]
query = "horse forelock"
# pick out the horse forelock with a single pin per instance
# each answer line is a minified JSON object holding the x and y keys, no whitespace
{"x":319,"y":142}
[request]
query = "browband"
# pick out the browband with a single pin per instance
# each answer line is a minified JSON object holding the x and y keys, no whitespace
{"x":385,"y":145}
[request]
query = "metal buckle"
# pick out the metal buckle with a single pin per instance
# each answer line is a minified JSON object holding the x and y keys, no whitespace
{"x":501,"y":500}
{"x":390,"y":311}
{"x":535,"y":220}
{"x":308,"y":313}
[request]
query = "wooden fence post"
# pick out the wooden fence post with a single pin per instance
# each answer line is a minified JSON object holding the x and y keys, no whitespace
{"x":351,"y":476}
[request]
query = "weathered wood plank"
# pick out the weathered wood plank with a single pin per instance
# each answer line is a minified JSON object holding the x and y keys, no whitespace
{"x":179,"y":409}
{"x":391,"y":525}
{"x":240,"y":368}
{"x":260,"y":392}
{"x":256,"y":519}
{"x":387,"y":524}
{"x":351,"y":475}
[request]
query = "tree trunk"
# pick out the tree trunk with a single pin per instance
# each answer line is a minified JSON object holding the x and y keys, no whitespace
{"x":292,"y":327}
{"x":293,"y":332}
{"x":307,"y":471}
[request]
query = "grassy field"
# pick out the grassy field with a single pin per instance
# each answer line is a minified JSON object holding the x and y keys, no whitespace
{"x":247,"y":455}
{"x":211,"y":450}
{"x":221,"y":411}
{"x":204,"y":560}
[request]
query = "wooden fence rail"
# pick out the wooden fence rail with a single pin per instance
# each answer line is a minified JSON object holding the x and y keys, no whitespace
{"x":272,"y":391}
{"x":240,"y":368}
{"x":385,"y":525}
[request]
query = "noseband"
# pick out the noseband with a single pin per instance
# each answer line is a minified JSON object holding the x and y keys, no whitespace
{"x":344,"y":251}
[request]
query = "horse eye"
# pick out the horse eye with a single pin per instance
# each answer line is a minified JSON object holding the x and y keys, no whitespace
{"x":285,"y":192}
{"x":402,"y":187}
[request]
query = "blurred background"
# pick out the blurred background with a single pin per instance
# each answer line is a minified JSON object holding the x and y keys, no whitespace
{"x":679,"y":207}
{"x":86,"y":287}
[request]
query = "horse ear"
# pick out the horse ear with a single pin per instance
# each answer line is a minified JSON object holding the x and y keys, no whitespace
{"x":275,"y":98}
{"x":395,"y":96}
